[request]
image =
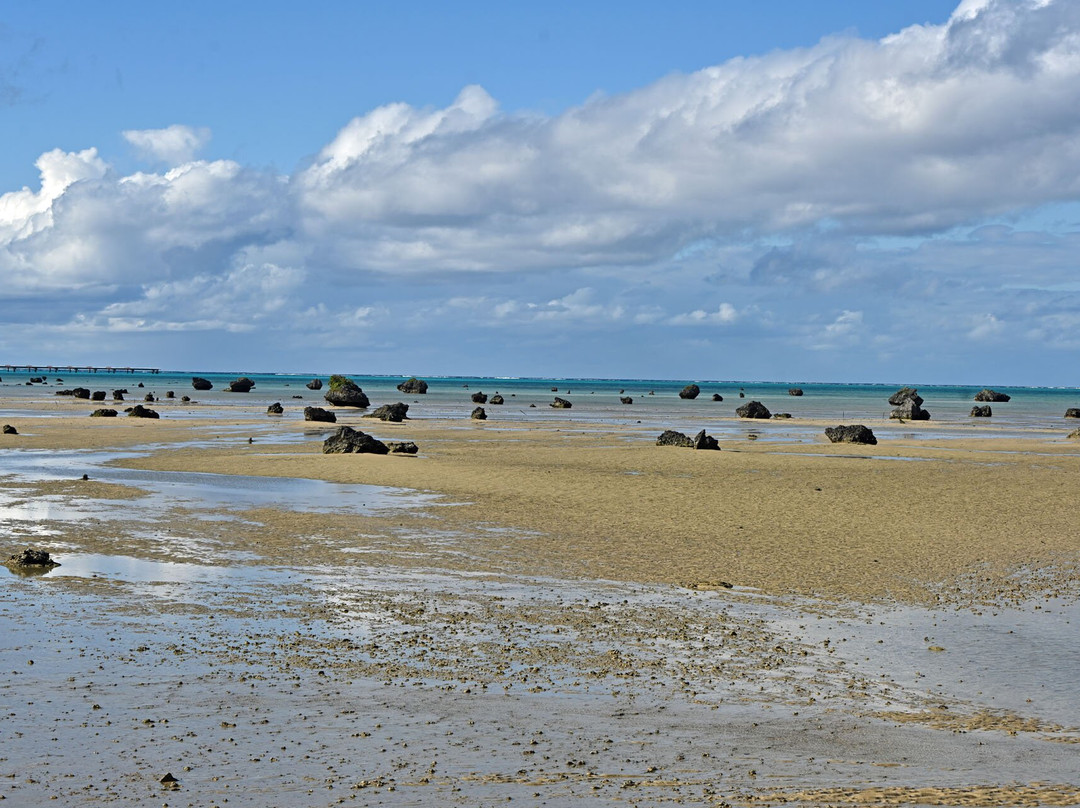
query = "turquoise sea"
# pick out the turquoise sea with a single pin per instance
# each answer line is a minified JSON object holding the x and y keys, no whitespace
{"x":656,"y":402}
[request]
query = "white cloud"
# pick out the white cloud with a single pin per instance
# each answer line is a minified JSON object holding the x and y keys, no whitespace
{"x":172,"y":145}
{"x":725,"y":314}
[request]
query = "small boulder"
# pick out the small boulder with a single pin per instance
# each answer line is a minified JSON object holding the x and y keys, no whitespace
{"x":32,"y":558}
{"x":717,"y":397}
{"x":781,"y":415}
{"x":149,"y":398}
{"x":241,"y":385}
{"x":561,"y":404}
{"x":319,"y":414}
{"x":97,"y":395}
{"x":703,"y":441}
{"x":390,"y":412}
{"x":691,"y":391}
{"x":853,"y":433}
{"x":81,"y":392}
{"x":626,"y":399}
{"x":986,"y":394}
{"x":669,"y":437}
{"x":413,"y":386}
{"x":199,"y":383}
{"x":344,"y":392}
{"x":981,"y":412}
{"x":315,"y":384}
{"x":478,"y":414}
{"x":1074,"y":435}
{"x":905,"y":394}
{"x":185,"y":398}
{"x":118,"y":395}
{"x":479,"y":398}
{"x":351,"y":441}
{"x":170,"y":394}
{"x":10,"y":430}
{"x":795,"y":391}
{"x":497,"y":399}
{"x":753,"y":409}
{"x":103,"y":413}
{"x":403,"y":447}
{"x":275,"y":409}
{"x":1072,"y":412}
{"x":139,"y":411}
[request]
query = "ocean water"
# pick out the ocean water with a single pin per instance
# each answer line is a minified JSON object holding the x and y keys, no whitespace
{"x":656,"y":403}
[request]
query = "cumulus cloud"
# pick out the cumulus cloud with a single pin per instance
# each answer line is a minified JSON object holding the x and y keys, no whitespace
{"x":172,"y":145}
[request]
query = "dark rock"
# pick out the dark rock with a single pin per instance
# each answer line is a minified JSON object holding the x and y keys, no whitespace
{"x":319,"y":414}
{"x":1072,"y":412}
{"x":703,"y":441}
{"x":781,"y":415}
{"x":561,"y":404}
{"x":413,"y":386}
{"x":81,"y":392}
{"x":853,"y":433}
{"x":986,"y":394}
{"x":690,"y":391}
{"x":717,"y":397}
{"x":118,"y":395}
{"x":185,"y":398}
{"x":275,"y":409}
{"x":669,"y":437}
{"x":314,"y":384}
{"x":497,"y":399}
{"x":140,"y":384}
{"x":149,"y":397}
{"x":1074,"y":435}
{"x":390,"y":412}
{"x":478,"y":398}
{"x":403,"y":447}
{"x":554,"y":389}
{"x":200,"y":383}
{"x":478,"y":414}
{"x":753,"y":409}
{"x":33,"y":558}
{"x":909,"y":410}
{"x":344,"y":392}
{"x":350,"y":441}
{"x":97,"y":395}
{"x":139,"y":411}
{"x":10,"y":430}
{"x":626,"y":399}
{"x":103,"y":413}
{"x":241,"y":385}
{"x":63,"y":392}
{"x":170,"y":394}
{"x":905,"y":394}
{"x":981,"y":412}
{"x":795,"y":391}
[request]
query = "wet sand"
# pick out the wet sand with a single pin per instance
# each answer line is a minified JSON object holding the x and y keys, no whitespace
{"x":534,"y":612}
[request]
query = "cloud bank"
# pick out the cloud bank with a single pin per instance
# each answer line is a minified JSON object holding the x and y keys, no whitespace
{"x":806,"y":203}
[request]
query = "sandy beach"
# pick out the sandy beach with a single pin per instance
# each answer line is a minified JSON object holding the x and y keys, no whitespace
{"x":554,"y":612}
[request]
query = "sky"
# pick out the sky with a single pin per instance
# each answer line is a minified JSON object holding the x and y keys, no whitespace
{"x":780,"y":190}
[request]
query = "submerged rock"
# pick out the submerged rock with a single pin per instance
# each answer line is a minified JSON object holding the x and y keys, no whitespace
{"x":717,"y":397}
{"x":753,"y":409}
{"x":344,"y":392}
{"x":351,"y":441}
{"x":795,"y":391}
{"x":319,"y":414}
{"x":853,"y":433}
{"x":413,"y":386}
{"x":626,"y":399}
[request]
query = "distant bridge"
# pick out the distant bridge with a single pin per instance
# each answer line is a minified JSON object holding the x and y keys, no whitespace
{"x":76,"y":369}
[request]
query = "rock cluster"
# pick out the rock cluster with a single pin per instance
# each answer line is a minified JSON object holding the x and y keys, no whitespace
{"x":852,"y":433}
{"x":908,"y":405}
{"x":413,"y":386}
{"x":753,"y":409}
{"x":319,"y":414}
{"x":691,"y":391}
{"x":344,"y":392}
{"x":350,"y":441}
{"x":986,"y":394}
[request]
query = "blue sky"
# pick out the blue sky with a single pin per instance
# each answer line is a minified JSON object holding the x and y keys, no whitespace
{"x":839,"y":191}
